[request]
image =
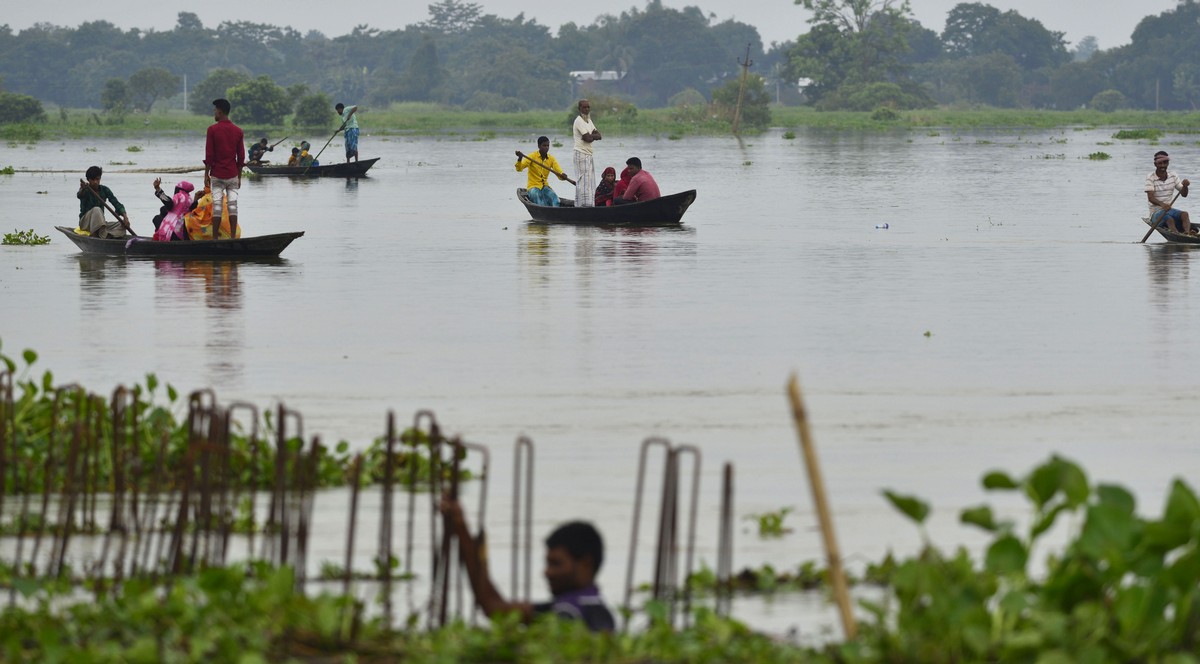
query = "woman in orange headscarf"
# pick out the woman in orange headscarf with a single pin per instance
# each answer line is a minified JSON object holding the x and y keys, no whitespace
{"x":200,"y":222}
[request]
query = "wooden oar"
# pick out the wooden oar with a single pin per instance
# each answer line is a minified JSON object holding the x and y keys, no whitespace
{"x":84,"y":185}
{"x":538,"y":163}
{"x":1154,"y":224}
{"x":278,"y":142}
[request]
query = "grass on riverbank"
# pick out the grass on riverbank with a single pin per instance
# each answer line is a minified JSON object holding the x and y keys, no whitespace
{"x":422,"y":119}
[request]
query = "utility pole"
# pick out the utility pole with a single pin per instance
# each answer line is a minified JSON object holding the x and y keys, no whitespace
{"x":185,"y":91}
{"x":737,"y":112}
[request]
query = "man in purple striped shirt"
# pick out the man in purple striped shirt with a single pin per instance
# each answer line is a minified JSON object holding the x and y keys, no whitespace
{"x":574,"y":552}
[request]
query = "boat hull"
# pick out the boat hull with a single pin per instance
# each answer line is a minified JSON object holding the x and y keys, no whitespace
{"x":664,"y":211}
{"x":262,"y":246}
{"x":343,"y":170}
{"x":1172,"y":236}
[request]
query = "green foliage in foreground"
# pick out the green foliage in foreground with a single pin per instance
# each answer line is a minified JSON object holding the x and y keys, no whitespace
{"x":229,"y":615}
{"x":162,"y":420}
{"x":28,"y":237}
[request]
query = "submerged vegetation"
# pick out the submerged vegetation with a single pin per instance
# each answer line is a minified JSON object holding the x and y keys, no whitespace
{"x":28,"y":237}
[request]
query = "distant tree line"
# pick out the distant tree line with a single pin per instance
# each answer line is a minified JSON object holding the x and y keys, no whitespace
{"x":868,"y":53}
{"x":458,"y":56}
{"x":858,"y":54}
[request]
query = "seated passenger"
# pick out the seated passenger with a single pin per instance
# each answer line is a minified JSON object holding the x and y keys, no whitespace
{"x":540,"y":164}
{"x":294,"y":160}
{"x":642,"y":186}
{"x":199,"y":221}
{"x":604,"y":190}
{"x":169,"y":224}
{"x":622,"y":184}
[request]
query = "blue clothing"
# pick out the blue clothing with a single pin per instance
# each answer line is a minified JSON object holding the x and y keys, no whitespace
{"x":585,"y":604}
{"x":543,"y":196}
{"x":1173,"y":215}
{"x":351,"y":140}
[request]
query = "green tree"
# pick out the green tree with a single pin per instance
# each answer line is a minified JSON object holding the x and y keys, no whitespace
{"x":259,"y":101}
{"x":973,"y":28}
{"x":756,"y":113}
{"x":20,"y":108}
{"x":147,"y":85}
{"x":1085,"y":49}
{"x":1186,"y":82}
{"x":1108,"y":101}
{"x":423,"y":75}
{"x":114,"y":99}
{"x":313,"y":111}
{"x":852,"y":42}
{"x":214,"y":86}
{"x":450,"y":17}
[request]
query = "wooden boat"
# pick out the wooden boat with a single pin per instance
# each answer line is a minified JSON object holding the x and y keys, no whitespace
{"x":1173,"y":236}
{"x":262,"y":246}
{"x":664,"y":211}
{"x":342,"y":170}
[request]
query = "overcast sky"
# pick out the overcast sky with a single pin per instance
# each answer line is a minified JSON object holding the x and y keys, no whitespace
{"x":1110,"y":21}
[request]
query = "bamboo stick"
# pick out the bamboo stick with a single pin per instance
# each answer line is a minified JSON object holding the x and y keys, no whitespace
{"x":837,"y":576}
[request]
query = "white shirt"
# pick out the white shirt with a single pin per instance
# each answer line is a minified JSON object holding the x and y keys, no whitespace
{"x":580,"y":128}
{"x":1164,"y":190}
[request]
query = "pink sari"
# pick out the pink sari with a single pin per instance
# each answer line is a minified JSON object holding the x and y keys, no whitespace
{"x":172,"y":226}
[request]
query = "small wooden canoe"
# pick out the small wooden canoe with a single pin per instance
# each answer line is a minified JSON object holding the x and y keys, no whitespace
{"x":664,"y":211}
{"x":1172,"y":236}
{"x":342,"y":170}
{"x":262,"y":246}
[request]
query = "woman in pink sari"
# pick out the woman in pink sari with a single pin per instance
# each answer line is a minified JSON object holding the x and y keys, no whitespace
{"x":171,"y":226}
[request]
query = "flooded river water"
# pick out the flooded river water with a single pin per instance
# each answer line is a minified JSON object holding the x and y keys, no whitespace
{"x":1006,"y":313}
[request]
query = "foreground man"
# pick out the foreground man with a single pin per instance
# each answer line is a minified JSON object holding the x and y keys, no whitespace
{"x":224,"y":157}
{"x":642,"y":186}
{"x":585,"y":134}
{"x":1161,"y":186}
{"x":574,"y":552}
{"x":92,"y":196}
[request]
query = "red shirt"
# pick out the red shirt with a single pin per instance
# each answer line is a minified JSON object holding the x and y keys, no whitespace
{"x":641,"y":188}
{"x":224,"y":151}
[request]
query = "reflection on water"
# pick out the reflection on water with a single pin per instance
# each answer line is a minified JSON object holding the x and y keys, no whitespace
{"x":1167,"y":269}
{"x":96,"y":276}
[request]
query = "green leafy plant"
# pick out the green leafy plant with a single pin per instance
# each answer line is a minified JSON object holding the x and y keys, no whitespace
{"x":770,"y":524}
{"x":789,"y":135}
{"x":134,"y":148}
{"x":1136,"y":134}
{"x":8,"y":170}
{"x":1099,"y":156}
{"x":28,"y":237}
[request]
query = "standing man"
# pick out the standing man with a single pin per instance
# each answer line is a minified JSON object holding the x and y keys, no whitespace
{"x":350,"y":124}
{"x":1160,"y":187}
{"x":92,"y":196}
{"x":642,"y":186}
{"x":224,"y":157}
{"x":585,"y":134}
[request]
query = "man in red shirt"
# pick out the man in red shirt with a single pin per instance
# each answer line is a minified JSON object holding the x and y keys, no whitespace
{"x":642,"y":186}
{"x":224,"y":157}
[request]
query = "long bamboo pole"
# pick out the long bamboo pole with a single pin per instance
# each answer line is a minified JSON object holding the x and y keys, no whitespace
{"x":837,"y":576}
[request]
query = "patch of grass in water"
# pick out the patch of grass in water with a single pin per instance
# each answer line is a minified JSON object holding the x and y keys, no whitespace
{"x":1138,"y":134}
{"x":1099,"y":156}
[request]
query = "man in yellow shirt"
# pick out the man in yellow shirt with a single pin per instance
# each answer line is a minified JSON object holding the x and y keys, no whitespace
{"x":541,"y":164}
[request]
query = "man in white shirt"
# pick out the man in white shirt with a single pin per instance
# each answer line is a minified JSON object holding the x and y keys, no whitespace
{"x":585,"y":134}
{"x":1160,"y":189}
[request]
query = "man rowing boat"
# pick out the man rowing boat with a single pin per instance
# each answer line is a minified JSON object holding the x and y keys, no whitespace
{"x":540,"y":164}
{"x":1160,"y":187}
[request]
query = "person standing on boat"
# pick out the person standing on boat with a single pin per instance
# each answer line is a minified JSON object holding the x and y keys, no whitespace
{"x":92,"y":196}
{"x":642,"y":186}
{"x":574,"y":552}
{"x":224,"y":157}
{"x":350,"y":125}
{"x":585,"y":134}
{"x":1161,"y":186}
{"x":540,"y":164}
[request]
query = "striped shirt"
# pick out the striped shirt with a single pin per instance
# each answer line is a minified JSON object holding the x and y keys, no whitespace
{"x":1164,"y":190}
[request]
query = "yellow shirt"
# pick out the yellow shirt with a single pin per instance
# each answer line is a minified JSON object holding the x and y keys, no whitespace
{"x":538,"y":176}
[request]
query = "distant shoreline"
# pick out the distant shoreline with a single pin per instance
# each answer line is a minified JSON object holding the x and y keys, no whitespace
{"x":431,"y":120}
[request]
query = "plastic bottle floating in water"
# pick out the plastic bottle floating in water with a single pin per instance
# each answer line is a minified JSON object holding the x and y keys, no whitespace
{"x":882,"y":226}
